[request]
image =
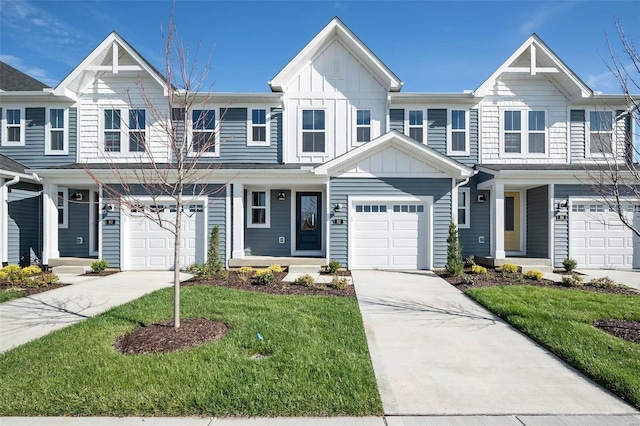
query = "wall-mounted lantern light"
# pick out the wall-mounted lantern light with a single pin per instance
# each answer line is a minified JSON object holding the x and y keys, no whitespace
{"x":282,"y":196}
{"x":481,"y":198}
{"x":337,"y":208}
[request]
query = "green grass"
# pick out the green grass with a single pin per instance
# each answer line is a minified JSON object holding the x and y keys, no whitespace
{"x":562,"y":321}
{"x":320,"y":364}
{"x":7,"y":295}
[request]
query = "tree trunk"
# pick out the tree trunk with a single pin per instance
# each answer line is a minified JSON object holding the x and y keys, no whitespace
{"x":176,"y":265}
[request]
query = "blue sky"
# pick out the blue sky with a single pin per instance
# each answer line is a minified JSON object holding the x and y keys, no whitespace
{"x":432,"y":46}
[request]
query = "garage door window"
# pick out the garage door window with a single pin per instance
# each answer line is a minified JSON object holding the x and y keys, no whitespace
{"x":371,"y":208}
{"x":407,"y":208}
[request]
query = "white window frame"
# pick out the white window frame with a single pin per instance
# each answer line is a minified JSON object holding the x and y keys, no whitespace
{"x":129,"y":130}
{"x":409,"y":126}
{"x":267,"y":126}
{"x":49,"y":129}
{"x":450,"y":131}
{"x":587,"y":148}
{"x":266,"y":207}
{"x":5,"y":126}
{"x":524,"y":133}
{"x":65,"y":207}
{"x":362,"y":126}
{"x":124,"y":130}
{"x":466,"y":207}
{"x":103,"y":130}
{"x":215,"y":131}
{"x":301,"y":131}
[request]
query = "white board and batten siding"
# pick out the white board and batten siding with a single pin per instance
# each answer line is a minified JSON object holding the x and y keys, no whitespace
{"x":336,"y":82}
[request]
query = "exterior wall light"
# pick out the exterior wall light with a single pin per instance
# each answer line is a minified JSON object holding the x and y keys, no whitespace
{"x":282,"y":196}
{"x":337,"y":208}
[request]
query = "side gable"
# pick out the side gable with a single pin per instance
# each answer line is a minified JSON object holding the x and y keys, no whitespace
{"x":533,"y":58}
{"x":337,"y":30}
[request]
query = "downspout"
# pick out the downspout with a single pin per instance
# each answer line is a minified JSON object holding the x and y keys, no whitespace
{"x":4,"y":219}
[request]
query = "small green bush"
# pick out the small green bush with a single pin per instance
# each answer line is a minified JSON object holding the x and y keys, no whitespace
{"x":200,"y":271}
{"x":509,"y":268}
{"x":43,"y":280}
{"x":264,"y":276}
{"x":468,"y":279}
{"x":305,"y":281}
{"x":569,"y":264}
{"x":477,"y":269}
{"x":455,"y":265}
{"x":573,"y":280}
{"x":99,"y":266}
{"x":604,"y":282}
{"x":339,"y":283}
{"x":244,"y":273}
{"x":333,"y":266}
{"x":533,"y":275}
{"x":224,"y":274}
{"x":470,"y":261}
{"x":275,"y":268}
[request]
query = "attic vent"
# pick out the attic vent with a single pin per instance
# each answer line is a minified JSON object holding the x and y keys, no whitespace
{"x":336,"y":69}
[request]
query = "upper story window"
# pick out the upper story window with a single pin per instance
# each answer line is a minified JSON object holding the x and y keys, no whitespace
{"x":313,"y":130}
{"x":259,"y":209}
{"x":600,"y":132}
{"x":203,"y":133}
{"x":464,"y":210}
{"x":137,"y":130}
{"x":518,"y":141}
{"x":416,"y":125}
{"x":56,"y":133}
{"x":63,"y":207}
{"x":459,"y":134}
{"x":363,"y":125}
{"x":258,"y":133}
{"x":13,"y":125}
{"x":112,"y":130}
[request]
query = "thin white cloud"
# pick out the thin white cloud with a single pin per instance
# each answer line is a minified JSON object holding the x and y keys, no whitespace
{"x":607,"y":82}
{"x":37,"y":73}
{"x":544,"y":13}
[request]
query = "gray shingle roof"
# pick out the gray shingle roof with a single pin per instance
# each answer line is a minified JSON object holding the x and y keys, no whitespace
{"x":10,"y":165}
{"x":13,"y":80}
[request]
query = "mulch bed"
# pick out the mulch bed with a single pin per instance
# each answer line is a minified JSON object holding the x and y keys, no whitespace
{"x":163,"y":337}
{"x":28,"y":291}
{"x":624,"y":329}
{"x":277,"y":287}
{"x":101,"y":274}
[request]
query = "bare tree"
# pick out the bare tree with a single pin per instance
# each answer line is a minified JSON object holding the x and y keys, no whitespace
{"x":616,"y":178}
{"x":167,"y":167}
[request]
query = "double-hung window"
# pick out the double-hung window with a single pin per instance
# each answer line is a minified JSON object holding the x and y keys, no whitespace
{"x":459,"y":134}
{"x":63,"y":207}
{"x":258,"y":128}
{"x":363,"y":125}
{"x":112,"y":130}
{"x":524,"y":132}
{"x":537,"y":132}
{"x":600,"y":132}
{"x":137,"y":130}
{"x":203,"y":136}
{"x":416,"y":125}
{"x":56,"y":132}
{"x":313,"y":130}
{"x":463,"y":208}
{"x":13,"y":130}
{"x":513,"y":132}
{"x":258,"y":209}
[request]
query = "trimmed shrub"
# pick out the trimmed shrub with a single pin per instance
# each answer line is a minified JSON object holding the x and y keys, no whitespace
{"x":13,"y":275}
{"x":509,"y":268}
{"x":275,"y":268}
{"x":99,"y":266}
{"x":468,"y":279}
{"x":264,"y":276}
{"x":32,"y":270}
{"x":604,"y":282}
{"x":43,"y":280}
{"x":477,"y":269}
{"x":533,"y":275}
{"x":339,"y":283}
{"x":200,"y":271}
{"x":214,"y":264}
{"x":244,"y":273}
{"x":454,"y":265}
{"x":573,"y":280}
{"x":569,"y":264}
{"x":333,"y":266}
{"x":305,"y":281}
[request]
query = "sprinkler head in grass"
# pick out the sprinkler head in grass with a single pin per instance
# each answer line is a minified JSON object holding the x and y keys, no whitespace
{"x":259,"y":336}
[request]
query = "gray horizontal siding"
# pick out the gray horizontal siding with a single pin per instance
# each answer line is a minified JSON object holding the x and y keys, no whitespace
{"x":472,"y":158}
{"x":436,"y":133}
{"x":24,"y":202}
{"x":342,"y":188}
{"x":264,"y":241}
{"x":233,"y":139}
{"x":32,"y":154}
{"x":218,"y":216}
{"x":480,"y":223}
{"x":396,"y":120}
{"x":577,"y":134}
{"x":538,"y":222}
{"x":78,"y":227}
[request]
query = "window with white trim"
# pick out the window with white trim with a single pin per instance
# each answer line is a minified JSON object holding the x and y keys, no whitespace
{"x":258,"y":131}
{"x":459,"y":135}
{"x":512,"y":132}
{"x":524,"y":132}
{"x":203,"y":137}
{"x":363,"y":125}
{"x":56,"y":132}
{"x":313,"y":130}
{"x":258,"y":209}
{"x":416,"y":125}
{"x":112,"y":130}
{"x":13,"y":127}
{"x":464,"y":212}
{"x":537,"y":132}
{"x":600,"y":132}
{"x":62,"y":203}
{"x":137,"y":130}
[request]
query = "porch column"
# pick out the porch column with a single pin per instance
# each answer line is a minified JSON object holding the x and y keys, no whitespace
{"x":50,"y":223}
{"x":238,"y":221}
{"x":497,"y":207}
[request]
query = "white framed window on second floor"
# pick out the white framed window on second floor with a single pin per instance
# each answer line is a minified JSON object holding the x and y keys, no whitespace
{"x":313,"y":130}
{"x":600,"y":128}
{"x":416,"y":125}
{"x":63,"y":208}
{"x":259,"y":211}
{"x":258,"y":127}
{"x":57,"y":133}
{"x":458,"y":132}
{"x":112,"y":128}
{"x":137,"y":130}
{"x":363,"y":125}
{"x":13,"y":126}
{"x":464,"y":210}
{"x":203,"y":132}
{"x":524,"y":132}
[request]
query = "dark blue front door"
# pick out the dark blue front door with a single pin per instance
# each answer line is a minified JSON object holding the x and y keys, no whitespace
{"x":308,"y":221}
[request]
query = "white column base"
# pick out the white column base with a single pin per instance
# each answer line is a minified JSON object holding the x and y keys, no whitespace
{"x":50,"y":223}
{"x":497,"y":201}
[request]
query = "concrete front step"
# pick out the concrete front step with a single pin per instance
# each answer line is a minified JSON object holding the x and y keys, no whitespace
{"x":71,"y":261}
{"x":265,"y":261}
{"x":520,"y":261}
{"x":71,"y":270}
{"x":304,"y":269}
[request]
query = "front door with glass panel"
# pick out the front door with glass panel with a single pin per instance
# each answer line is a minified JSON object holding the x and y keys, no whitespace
{"x":512,"y":221}
{"x":308,"y":221}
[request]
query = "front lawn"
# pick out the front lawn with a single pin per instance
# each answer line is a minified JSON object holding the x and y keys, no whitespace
{"x":563,"y":321}
{"x":318,"y":362}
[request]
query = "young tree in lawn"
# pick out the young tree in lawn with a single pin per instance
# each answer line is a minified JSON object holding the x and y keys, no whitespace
{"x":616,"y":177}
{"x":167,"y":167}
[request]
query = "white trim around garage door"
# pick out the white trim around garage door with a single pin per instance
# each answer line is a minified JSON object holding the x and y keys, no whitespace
{"x":427,"y":201}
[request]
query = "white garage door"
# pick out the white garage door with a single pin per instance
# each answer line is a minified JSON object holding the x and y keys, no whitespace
{"x":389,"y":236}
{"x":150,"y":247}
{"x":598,"y":237}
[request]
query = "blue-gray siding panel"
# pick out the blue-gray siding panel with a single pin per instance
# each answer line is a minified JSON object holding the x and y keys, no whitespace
{"x":24,"y":202}
{"x":111,"y":235}
{"x":78,"y":227}
{"x":218,"y":216}
{"x":32,"y":154}
{"x":577,"y":134}
{"x":437,"y":130}
{"x":396,"y":120}
{"x":233,"y":140}
{"x":264,"y":241}
{"x":342,"y":188}
{"x":479,"y":221}
{"x":538,"y":222}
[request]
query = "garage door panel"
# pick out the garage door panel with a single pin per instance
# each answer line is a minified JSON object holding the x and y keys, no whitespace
{"x":403,"y":243}
{"x":595,"y":242}
{"x":406,"y":225}
{"x":372,"y":226}
{"x":372,"y":243}
{"x":596,"y":226}
{"x":615,"y":242}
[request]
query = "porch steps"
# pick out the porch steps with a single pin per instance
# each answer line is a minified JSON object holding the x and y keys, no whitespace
{"x":70,"y":270}
{"x":525,"y":263}
{"x":304,"y":269}
{"x":265,"y":261}
{"x":71,"y":265}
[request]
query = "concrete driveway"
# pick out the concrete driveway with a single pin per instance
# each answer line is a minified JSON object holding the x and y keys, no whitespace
{"x":31,"y":317}
{"x":628,"y":277}
{"x":436,"y":352}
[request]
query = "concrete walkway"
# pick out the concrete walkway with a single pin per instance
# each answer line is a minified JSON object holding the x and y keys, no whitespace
{"x":628,"y":277}
{"x":31,"y":317}
{"x":436,"y":352}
